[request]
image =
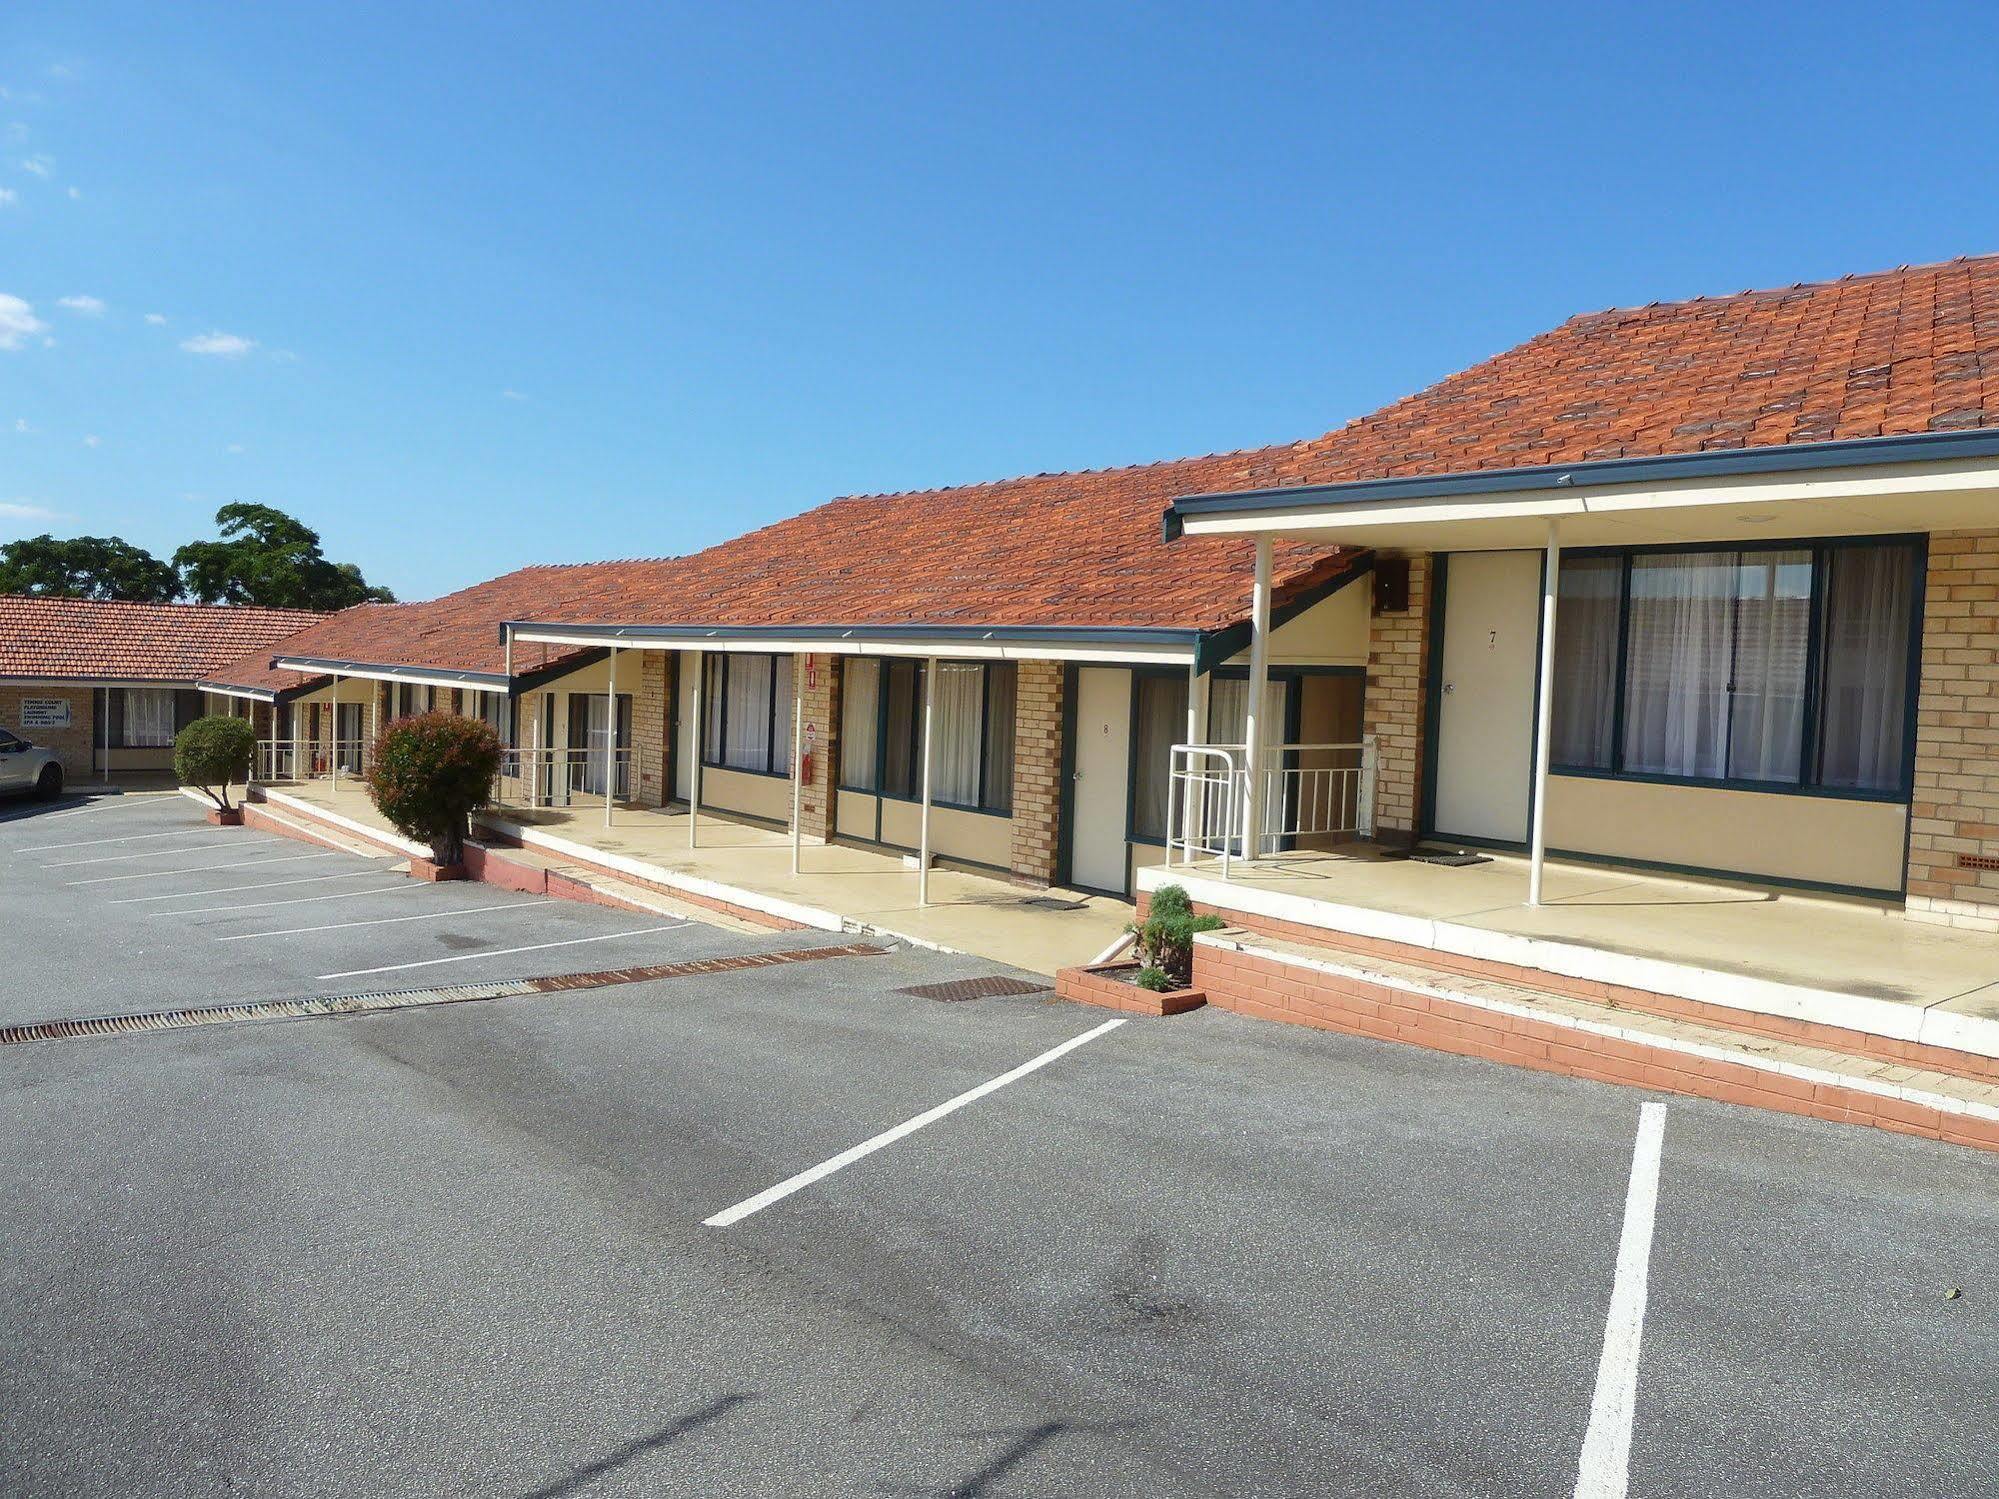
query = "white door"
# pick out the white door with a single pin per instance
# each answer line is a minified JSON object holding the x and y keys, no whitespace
{"x":1102,"y":786}
{"x":1485,"y":720}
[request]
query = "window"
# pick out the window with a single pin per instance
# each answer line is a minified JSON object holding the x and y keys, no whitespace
{"x":497,"y":709}
{"x":1161,"y":723}
{"x":881,"y":732}
{"x":746,"y":713}
{"x":407,"y":703}
{"x":148,"y":718}
{"x":1765,"y":666}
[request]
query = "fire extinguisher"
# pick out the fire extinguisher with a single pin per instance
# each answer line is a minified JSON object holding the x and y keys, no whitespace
{"x":805,"y":757}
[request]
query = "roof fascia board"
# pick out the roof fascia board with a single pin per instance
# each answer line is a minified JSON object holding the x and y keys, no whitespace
{"x":178,"y":684}
{"x":1002,"y":643}
{"x":254,"y":694}
{"x":483,"y":681}
{"x":1921,"y":461}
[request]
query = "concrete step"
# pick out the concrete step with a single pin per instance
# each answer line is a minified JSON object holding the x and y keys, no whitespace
{"x":537,"y":871}
{"x":312,"y":830}
{"x":1396,"y":1000}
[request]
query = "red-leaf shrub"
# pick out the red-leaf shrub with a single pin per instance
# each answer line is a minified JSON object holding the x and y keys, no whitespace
{"x":431,"y":773}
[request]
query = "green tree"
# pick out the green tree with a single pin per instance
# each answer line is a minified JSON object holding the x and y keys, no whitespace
{"x":85,"y":567}
{"x":430,"y":773}
{"x":266,"y":557}
{"x":213,"y":752}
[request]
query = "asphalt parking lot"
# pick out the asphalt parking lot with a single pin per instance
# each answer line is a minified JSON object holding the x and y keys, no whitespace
{"x":630,"y":1240}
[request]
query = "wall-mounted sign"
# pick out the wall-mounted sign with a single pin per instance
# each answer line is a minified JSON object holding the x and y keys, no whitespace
{"x":44,"y":712}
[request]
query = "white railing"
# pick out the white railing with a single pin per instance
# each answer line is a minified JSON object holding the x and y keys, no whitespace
{"x":1309,"y":792}
{"x":560,"y":777}
{"x":310,"y":759}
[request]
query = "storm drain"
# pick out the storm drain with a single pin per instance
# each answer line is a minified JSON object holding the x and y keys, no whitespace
{"x":990,"y":986}
{"x":402,"y":999}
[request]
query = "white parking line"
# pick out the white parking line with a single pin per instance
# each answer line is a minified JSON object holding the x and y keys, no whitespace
{"x":854,"y":1153}
{"x":335,"y":926}
{"x":296,"y":900}
{"x":133,"y":900}
{"x":1605,"y":1469}
{"x":167,"y":874}
{"x":44,"y":848}
{"x":502,"y":952}
{"x":158,"y":853}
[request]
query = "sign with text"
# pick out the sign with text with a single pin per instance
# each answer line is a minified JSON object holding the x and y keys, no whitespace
{"x":44,"y":712}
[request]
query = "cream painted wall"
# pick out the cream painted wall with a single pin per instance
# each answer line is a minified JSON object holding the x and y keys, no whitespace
{"x":1333,"y":632}
{"x":977,"y":837}
{"x":768,"y":797}
{"x":1814,"y":838}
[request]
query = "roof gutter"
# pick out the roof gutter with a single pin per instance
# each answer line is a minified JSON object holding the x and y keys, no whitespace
{"x":382,"y":671}
{"x":1141,"y":640}
{"x":1787,"y":458}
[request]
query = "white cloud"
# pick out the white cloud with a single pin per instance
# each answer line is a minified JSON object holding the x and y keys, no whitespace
{"x":87,"y":306}
{"x":512,"y":395}
{"x":75,"y":194}
{"x":41,"y":166}
{"x":21,"y":424}
{"x":157,"y":319}
{"x":227,"y":345}
{"x":8,"y":197}
{"x":92,"y":441}
{"x":22,"y":510}
{"x":235,"y":447}
{"x":17,"y":322}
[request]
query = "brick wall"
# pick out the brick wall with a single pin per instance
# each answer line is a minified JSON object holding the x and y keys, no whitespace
{"x":818,"y":684}
{"x":73,"y":744}
{"x":1398,"y":661}
{"x":650,"y":721}
{"x":1037,"y":771}
{"x":1954,"y":815}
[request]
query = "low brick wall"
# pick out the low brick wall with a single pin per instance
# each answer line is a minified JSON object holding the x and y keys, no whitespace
{"x":1262,"y":986}
{"x":1095,"y":984}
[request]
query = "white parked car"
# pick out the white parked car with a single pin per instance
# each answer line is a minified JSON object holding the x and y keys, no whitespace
{"x":28,"y":767}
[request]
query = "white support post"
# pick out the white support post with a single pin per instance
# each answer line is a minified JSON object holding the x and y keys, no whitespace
{"x":534,"y":762}
{"x":104,"y":735}
{"x":694,"y":760}
{"x":1194,"y":810}
{"x":333,"y":738}
{"x":610,"y":735}
{"x":374,"y":720}
{"x":298,"y":744}
{"x":923,"y":843}
{"x":1544,"y":708}
{"x":1256,"y":732}
{"x":797,"y":771}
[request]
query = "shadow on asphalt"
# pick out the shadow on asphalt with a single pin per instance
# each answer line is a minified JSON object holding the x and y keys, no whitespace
{"x":584,"y":1476}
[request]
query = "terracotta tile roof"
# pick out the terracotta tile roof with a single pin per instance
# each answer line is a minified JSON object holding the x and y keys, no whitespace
{"x":42,"y":637}
{"x":458,"y":632}
{"x":1894,"y":353}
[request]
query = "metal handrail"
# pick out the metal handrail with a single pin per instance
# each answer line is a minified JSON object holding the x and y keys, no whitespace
{"x":1208,"y":797}
{"x":1203,"y":779}
{"x":535,"y":777}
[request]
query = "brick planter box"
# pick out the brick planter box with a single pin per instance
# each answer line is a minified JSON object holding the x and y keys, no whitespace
{"x":1109,"y":986}
{"x":233,"y":818}
{"x":423,"y":869}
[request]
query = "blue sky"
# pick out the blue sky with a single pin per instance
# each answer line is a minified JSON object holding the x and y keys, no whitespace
{"x":467,"y":286}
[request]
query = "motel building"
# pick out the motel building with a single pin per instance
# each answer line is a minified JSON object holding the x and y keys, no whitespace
{"x":107,"y":685}
{"x":1622,"y":705}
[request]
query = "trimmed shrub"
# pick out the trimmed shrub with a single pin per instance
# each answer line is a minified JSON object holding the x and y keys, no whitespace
{"x":431,"y":773}
{"x":1165,"y":939}
{"x":211,"y":753}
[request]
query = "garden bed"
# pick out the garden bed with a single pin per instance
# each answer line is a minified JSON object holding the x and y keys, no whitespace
{"x":1114,"y":986}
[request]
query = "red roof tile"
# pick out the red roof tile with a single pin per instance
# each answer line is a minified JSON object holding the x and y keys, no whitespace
{"x":42,"y":637}
{"x":1894,"y":353}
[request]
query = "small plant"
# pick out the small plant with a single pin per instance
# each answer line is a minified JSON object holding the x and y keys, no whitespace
{"x":210,"y":753}
{"x":431,"y":773}
{"x":1152,"y":978}
{"x":1165,"y":939}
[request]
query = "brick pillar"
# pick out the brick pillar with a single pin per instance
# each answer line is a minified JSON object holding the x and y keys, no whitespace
{"x":1953,"y":869}
{"x":817,"y":679}
{"x":1398,"y":664}
{"x":649,"y":727}
{"x":1037,"y":771}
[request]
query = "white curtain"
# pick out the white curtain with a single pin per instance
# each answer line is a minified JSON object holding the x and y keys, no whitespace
{"x":781,"y":697}
{"x":747,"y":713}
{"x":956,"y":730}
{"x":149,"y":717}
{"x":1585,"y":703}
{"x":1228,"y":723}
{"x":1162,"y":723}
{"x":1864,"y":666}
{"x":1676,"y":664}
{"x":1766,"y":725}
{"x":860,"y":722}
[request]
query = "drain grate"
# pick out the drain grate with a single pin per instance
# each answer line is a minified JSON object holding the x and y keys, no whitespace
{"x":989,"y":987}
{"x":402,"y":999}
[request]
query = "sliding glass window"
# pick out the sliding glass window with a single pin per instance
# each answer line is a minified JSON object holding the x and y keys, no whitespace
{"x":881,"y":732}
{"x":746,"y":713}
{"x":1753,"y":666}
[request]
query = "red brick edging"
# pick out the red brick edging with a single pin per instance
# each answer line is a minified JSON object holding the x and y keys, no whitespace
{"x":1095,"y":984}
